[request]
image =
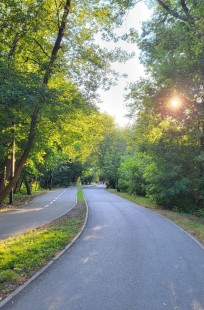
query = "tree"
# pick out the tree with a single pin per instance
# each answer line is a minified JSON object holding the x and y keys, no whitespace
{"x":172,"y":45}
{"x":166,"y":150}
{"x":110,"y":152}
{"x":36,"y":109}
{"x":131,"y":174}
{"x":167,"y":138}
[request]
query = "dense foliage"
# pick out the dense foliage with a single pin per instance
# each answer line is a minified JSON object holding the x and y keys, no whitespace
{"x":166,"y":141}
{"x":164,"y":157}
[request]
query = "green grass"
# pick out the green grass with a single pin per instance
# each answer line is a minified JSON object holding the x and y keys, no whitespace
{"x":80,"y":196}
{"x":189,"y":222}
{"x":21,"y":256}
{"x":143,"y":201}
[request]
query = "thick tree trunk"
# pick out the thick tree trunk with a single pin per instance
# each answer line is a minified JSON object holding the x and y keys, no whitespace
{"x":5,"y":173}
{"x":23,"y":159}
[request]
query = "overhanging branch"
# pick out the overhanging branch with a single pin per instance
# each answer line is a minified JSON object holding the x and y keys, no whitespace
{"x":172,"y":12}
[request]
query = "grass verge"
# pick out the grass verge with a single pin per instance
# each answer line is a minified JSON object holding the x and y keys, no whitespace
{"x":80,"y":196}
{"x":22,"y":256}
{"x":190,"y":223}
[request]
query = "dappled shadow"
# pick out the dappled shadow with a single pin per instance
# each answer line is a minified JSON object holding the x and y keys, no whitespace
{"x":95,"y":234}
{"x":22,"y":210}
{"x":196,"y":305}
{"x":87,"y":259}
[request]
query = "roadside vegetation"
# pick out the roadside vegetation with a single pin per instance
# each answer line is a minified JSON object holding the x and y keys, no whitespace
{"x":22,"y":256}
{"x":191,"y":223}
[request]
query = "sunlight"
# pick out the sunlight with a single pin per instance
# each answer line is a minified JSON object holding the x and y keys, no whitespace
{"x":97,"y":228}
{"x":22,"y":210}
{"x":85,"y":260}
{"x":175,"y":103}
{"x":197,"y":306}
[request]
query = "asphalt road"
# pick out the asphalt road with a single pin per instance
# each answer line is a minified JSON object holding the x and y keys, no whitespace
{"x":127,"y":258}
{"x":39,"y":211}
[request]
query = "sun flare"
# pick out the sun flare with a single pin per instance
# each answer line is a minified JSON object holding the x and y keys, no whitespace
{"x":175,"y":103}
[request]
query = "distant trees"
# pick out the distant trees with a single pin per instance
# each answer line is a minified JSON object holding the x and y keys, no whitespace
{"x":114,"y":146}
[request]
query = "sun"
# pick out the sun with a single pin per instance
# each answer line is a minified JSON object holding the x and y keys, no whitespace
{"x":175,"y":103}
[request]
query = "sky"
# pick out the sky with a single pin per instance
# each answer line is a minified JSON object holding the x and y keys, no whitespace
{"x":112,"y":101}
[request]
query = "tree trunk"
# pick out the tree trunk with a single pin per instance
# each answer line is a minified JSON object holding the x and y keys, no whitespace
{"x":23,"y":159}
{"x":5,"y":173}
{"x":49,"y":180}
{"x":14,"y":45}
{"x":18,"y":185}
{"x":27,"y":185}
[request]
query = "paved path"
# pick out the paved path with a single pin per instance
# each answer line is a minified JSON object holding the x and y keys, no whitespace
{"x":128,"y":258}
{"x":39,"y":211}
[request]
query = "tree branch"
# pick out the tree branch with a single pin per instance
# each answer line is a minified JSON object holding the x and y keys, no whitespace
{"x":58,"y":41}
{"x":184,"y":6}
{"x":58,"y":15}
{"x":172,"y":12}
{"x":42,"y":48}
{"x":14,"y":45}
{"x":187,"y":12}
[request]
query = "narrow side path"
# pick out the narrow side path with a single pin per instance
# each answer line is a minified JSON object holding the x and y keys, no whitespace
{"x":128,"y":258}
{"x":39,"y":211}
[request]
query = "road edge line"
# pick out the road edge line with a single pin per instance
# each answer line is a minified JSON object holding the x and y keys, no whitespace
{"x":38,"y":273}
{"x":186,"y":232}
{"x":166,"y":218}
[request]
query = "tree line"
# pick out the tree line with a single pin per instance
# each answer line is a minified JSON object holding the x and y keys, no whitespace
{"x":164,"y":156}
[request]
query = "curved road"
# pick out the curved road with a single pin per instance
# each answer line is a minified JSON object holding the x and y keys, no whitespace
{"x":39,"y":211}
{"x":127,"y":258}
